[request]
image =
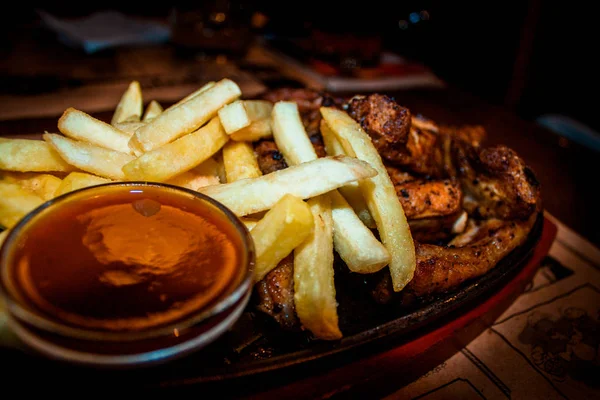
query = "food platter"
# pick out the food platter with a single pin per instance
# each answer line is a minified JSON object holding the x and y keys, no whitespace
{"x":360,"y":284}
{"x":369,"y":329}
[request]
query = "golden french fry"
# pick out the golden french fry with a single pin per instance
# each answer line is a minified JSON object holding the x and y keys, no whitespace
{"x":184,"y":118}
{"x":129,"y":127}
{"x":209,"y":167}
{"x":90,"y":158}
{"x":181,"y":155}
{"x":248,"y":196}
{"x":29,"y":155}
{"x":153,"y":109}
{"x":3,"y":236}
{"x":15,"y":203}
{"x":282,"y":229}
{"x":194,"y":180}
{"x":290,"y":135}
{"x":195,"y":93}
{"x":240,"y":161}
{"x":314,"y":286}
{"x":249,"y":222}
{"x":130,"y":105}
{"x":354,"y":242}
{"x":43,"y":185}
{"x":80,"y":126}
{"x":257,"y":130}
{"x":351,"y":191}
{"x":380,"y":195}
{"x":241,"y":113}
{"x":78,"y":180}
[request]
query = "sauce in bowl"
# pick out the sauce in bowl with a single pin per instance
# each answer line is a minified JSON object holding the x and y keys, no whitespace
{"x":125,"y":261}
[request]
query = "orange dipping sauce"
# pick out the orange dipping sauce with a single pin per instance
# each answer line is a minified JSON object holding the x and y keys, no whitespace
{"x":126,"y":258}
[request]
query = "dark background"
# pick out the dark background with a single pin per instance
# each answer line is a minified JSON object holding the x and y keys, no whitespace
{"x":534,"y":57}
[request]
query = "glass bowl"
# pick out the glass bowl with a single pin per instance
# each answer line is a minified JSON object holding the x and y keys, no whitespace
{"x":125,"y":274}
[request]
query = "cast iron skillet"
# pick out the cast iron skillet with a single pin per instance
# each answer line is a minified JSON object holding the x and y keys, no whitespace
{"x":257,"y":349}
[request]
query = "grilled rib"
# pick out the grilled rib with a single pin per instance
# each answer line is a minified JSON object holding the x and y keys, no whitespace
{"x":275,"y":294}
{"x":442,"y":268}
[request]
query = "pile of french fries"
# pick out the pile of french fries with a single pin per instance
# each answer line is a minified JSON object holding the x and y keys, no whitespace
{"x":344,"y":202}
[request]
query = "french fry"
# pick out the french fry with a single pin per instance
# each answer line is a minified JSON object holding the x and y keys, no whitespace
{"x":314,"y":286}
{"x":257,"y":130}
{"x":15,"y":203}
{"x":248,"y":196}
{"x":78,"y":180}
{"x":181,"y":155}
{"x":354,"y":242}
{"x":249,"y":222}
{"x":351,"y":191}
{"x":43,"y":185}
{"x":195,"y":93}
{"x":282,"y":229}
{"x":129,"y":127}
{"x":380,"y":195}
{"x":241,"y":113}
{"x":130,"y":105}
{"x":184,"y":118}
{"x":153,"y":109}
{"x":362,"y":252}
{"x":240,"y":161}
{"x":3,"y":236}
{"x":90,"y":158}
{"x":193,"y":180}
{"x":29,"y":155}
{"x":290,"y":135}
{"x":80,"y":126}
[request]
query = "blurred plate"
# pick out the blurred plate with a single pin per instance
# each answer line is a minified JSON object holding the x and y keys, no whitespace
{"x":256,"y":354}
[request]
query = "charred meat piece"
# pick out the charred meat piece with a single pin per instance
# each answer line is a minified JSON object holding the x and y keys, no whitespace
{"x":390,"y":127}
{"x":268,"y":156}
{"x":472,"y":134}
{"x":275,"y":294}
{"x":270,"y":159}
{"x":440,"y":268}
{"x":398,"y":176}
{"x":496,"y":181}
{"x":438,"y":230}
{"x":443,"y":268}
{"x":424,"y":199}
{"x":384,"y":120}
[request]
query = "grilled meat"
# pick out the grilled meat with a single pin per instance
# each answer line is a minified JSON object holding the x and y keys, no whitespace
{"x":384,"y":120}
{"x":389,"y":126}
{"x":275,"y":294}
{"x":496,"y":181}
{"x":467,"y":206}
{"x":268,"y":156}
{"x":442,"y":268}
{"x":438,"y":230}
{"x":425,"y":199}
{"x":472,"y":134}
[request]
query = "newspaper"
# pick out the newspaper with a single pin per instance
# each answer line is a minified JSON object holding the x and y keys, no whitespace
{"x":545,"y":346}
